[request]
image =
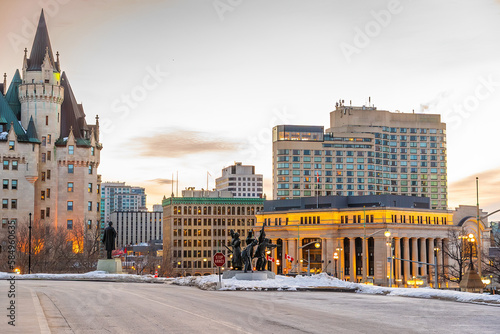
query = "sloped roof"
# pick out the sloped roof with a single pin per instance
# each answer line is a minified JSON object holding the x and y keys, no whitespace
{"x":31,"y":132}
{"x":72,"y":115}
{"x":8,"y":116}
{"x":40,"y":44}
{"x":12,"y":95}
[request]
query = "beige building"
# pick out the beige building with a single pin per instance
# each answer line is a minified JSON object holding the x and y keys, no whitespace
{"x":240,"y":180}
{"x":136,"y":227}
{"x":49,"y":153}
{"x":352,"y":238}
{"x":364,"y":152}
{"x":198,"y":224}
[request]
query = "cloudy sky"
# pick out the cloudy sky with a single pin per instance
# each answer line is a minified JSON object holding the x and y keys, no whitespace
{"x":192,"y":86}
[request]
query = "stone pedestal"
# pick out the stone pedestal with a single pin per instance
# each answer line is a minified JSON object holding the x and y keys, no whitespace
{"x":471,"y":282}
{"x":112,"y":266}
{"x":228,"y":274}
{"x":254,"y":276}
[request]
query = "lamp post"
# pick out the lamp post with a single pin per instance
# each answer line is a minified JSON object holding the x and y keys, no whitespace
{"x":471,"y":241}
{"x":317,"y":245}
{"x":336,"y":257}
{"x":364,"y":248}
{"x":436,"y":250}
{"x":29,"y":250}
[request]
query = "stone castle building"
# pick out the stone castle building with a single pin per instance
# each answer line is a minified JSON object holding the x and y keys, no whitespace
{"x":49,"y":153}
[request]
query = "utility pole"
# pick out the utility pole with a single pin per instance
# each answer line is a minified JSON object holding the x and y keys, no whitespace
{"x":29,"y":247}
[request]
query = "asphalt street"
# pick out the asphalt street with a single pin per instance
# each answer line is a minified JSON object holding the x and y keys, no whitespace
{"x":110,"y":307}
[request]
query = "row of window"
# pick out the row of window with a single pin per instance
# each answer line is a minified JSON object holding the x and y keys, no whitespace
{"x":5,"y":222}
{"x":13,"y":184}
{"x":218,"y":210}
{"x":8,"y":163}
{"x":5,"y":203}
{"x":69,"y":206}
{"x":216,"y":222}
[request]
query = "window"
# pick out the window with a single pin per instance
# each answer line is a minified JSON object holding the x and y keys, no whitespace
{"x":44,"y":157}
{"x":69,"y":224}
{"x":70,"y":187}
{"x":70,"y":206}
{"x":49,"y":139}
{"x":48,"y":174}
{"x":43,"y":176}
{"x":92,"y":151}
{"x":46,"y":120}
{"x":71,"y":149}
{"x":5,"y":222}
{"x":12,"y":145}
{"x":5,"y":184}
{"x":47,"y":212}
{"x":5,"y":203}
{"x":6,"y":164}
{"x":14,"y":165}
{"x":89,"y":224}
{"x":90,"y":187}
{"x":13,"y":185}
{"x":44,"y":141}
{"x":42,"y":195}
{"x":49,"y":154}
{"x":13,"y":204}
{"x":89,"y":206}
{"x":71,"y":169}
{"x":98,"y":189}
{"x":48,"y":193}
{"x":90,"y":169}
{"x":42,"y":214}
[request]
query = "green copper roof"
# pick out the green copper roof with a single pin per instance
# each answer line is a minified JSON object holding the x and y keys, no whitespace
{"x":12,"y":96}
{"x":31,"y":132}
{"x":212,"y":200}
{"x":7,"y":114}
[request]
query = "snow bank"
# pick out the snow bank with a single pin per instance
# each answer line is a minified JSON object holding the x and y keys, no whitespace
{"x":90,"y":276}
{"x":323,"y":281}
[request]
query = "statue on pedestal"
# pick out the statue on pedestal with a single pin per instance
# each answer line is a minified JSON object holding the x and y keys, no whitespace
{"x":108,"y":239}
{"x":236,"y":250}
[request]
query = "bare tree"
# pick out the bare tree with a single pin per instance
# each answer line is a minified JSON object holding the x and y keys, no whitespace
{"x":493,"y":265}
{"x":456,"y":250}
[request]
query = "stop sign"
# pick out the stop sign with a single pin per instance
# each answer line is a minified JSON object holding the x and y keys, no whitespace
{"x":219,"y":259}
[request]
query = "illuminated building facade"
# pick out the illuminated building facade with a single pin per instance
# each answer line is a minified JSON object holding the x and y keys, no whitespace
{"x":403,"y":226}
{"x":364,"y":152}
{"x":49,"y":153}
{"x":198,"y":224}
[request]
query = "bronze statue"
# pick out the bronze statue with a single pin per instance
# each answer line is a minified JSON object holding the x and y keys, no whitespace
{"x":236,"y":250}
{"x":108,"y":239}
{"x":247,"y":255}
{"x":260,"y":253}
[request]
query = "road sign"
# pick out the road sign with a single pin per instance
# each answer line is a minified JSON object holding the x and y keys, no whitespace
{"x":219,"y":259}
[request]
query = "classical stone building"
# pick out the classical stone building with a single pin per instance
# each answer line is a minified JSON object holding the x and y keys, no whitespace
{"x":403,"y":227}
{"x":197,"y":225}
{"x":48,"y":151}
{"x":364,"y":152}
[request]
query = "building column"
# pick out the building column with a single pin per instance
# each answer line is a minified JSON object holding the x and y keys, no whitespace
{"x":414,"y":255}
{"x":352,"y":262}
{"x":423,"y":256}
{"x":406,"y":244}
{"x":340,"y":262}
{"x":430,"y":252}
{"x":439,"y":259}
{"x":445,"y":258}
{"x":397,"y":263}
{"x":380,"y":272}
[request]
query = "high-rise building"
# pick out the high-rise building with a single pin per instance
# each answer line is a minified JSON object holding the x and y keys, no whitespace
{"x":364,"y":152}
{"x":116,"y":196}
{"x":136,"y":227}
{"x":240,"y":180}
{"x":48,"y":151}
{"x":198,"y":224}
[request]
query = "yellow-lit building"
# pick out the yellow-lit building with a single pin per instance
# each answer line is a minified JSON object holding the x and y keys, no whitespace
{"x":328,"y":232}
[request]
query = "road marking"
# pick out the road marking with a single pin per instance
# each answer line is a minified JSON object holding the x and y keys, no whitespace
{"x":42,"y":321}
{"x":189,"y":312}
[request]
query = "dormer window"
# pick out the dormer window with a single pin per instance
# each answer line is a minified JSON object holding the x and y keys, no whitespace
{"x":12,"y":145}
{"x":71,"y":149}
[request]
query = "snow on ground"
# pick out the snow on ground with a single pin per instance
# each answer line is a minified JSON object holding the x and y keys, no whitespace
{"x":91,"y":276}
{"x":285,"y":283}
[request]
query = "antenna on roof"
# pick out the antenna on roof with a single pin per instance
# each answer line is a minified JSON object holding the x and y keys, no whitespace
{"x":369,"y":101}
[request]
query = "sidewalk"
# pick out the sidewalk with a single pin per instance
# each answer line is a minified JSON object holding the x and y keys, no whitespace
{"x":29,"y":316}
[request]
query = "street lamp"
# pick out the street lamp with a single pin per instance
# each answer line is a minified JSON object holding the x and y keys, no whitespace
{"x":364,"y":248}
{"x":317,"y":245}
{"x":471,"y":241}
{"x":336,"y":257}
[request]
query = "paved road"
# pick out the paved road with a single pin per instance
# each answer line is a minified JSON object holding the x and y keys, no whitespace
{"x":105,"y":307}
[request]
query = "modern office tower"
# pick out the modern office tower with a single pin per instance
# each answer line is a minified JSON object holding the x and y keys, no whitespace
{"x":116,"y":196}
{"x":198,"y":224}
{"x":136,"y":227}
{"x":364,"y":152}
{"x":49,"y":153}
{"x":240,"y":180}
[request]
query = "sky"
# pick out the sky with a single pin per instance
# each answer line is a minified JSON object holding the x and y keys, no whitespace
{"x":190,"y":87}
